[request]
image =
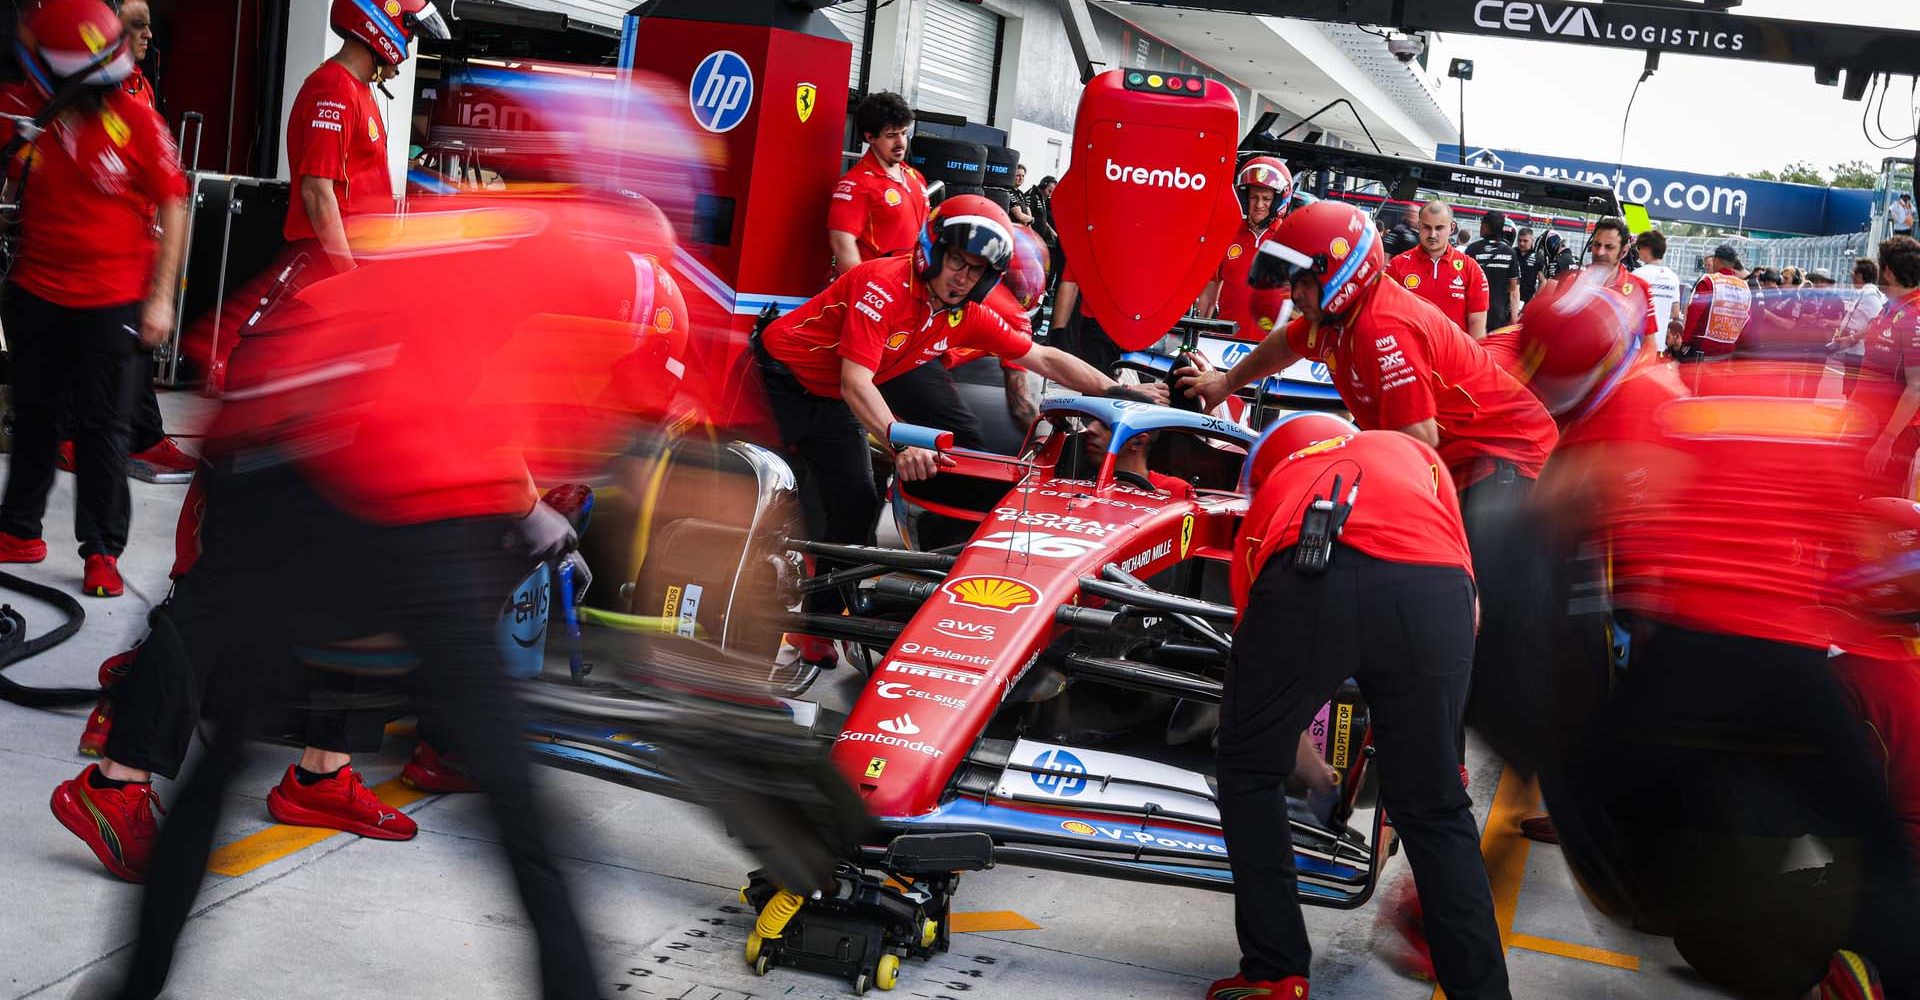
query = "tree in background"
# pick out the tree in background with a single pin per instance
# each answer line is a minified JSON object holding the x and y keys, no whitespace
{"x":1851,"y":174}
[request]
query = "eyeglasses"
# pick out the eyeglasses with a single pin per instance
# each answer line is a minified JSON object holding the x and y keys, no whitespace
{"x":959,"y":264}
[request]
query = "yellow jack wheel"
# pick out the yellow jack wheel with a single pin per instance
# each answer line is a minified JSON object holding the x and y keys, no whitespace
{"x":743,"y":896}
{"x":762,"y":964}
{"x":886,"y":975}
{"x":929,"y":933}
{"x":754,"y":942}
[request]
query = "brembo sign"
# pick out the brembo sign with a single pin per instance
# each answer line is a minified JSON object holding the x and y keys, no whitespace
{"x":1587,"y":23}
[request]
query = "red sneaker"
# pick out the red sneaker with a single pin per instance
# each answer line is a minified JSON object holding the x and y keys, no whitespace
{"x":1539,"y":829}
{"x":93,"y":740}
{"x":1405,"y":944}
{"x":1851,"y":977}
{"x":63,"y":457}
{"x":102,"y":577}
{"x":117,"y":823}
{"x":434,"y":774}
{"x":1242,"y":988}
{"x":14,"y":549}
{"x":341,"y":802}
{"x":166,"y":457}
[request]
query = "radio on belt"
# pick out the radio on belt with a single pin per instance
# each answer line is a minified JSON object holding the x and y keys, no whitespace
{"x":1320,"y":525}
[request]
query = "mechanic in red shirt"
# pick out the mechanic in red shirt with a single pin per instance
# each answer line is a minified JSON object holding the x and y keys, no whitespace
{"x":1608,"y":246}
{"x":821,"y":363}
{"x":1880,"y":635}
{"x":137,"y":20}
{"x":1889,"y":383}
{"x":1399,"y":555}
{"x":880,"y":206}
{"x":92,"y":283}
{"x":1722,"y":576}
{"x":1718,"y":313}
{"x":1266,"y":192}
{"x":1443,"y":274}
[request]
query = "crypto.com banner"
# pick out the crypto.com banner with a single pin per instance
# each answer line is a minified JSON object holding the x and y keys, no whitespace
{"x":1679,"y":196}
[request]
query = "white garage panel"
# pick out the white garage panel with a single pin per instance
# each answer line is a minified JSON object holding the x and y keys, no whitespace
{"x":959,"y":43}
{"x":851,"y":18}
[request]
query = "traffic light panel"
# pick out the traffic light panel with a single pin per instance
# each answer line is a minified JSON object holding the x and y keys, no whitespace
{"x":1155,"y":82}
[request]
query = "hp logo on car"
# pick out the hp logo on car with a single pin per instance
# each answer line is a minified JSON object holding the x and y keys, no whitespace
{"x":721,"y":91}
{"x":1060,"y":773}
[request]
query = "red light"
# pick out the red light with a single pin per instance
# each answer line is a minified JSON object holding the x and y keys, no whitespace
{"x":1195,"y":84}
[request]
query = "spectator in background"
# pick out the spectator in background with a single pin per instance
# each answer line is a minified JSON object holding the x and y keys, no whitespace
{"x":1850,"y":343}
{"x":1718,"y":314}
{"x":1663,"y":283}
{"x":1404,"y":234}
{"x":1020,"y":211}
{"x":1900,"y":216}
{"x":879,"y":206}
{"x":1532,"y":260}
{"x":1437,"y":271}
{"x":1040,"y":202}
{"x":1501,"y":264}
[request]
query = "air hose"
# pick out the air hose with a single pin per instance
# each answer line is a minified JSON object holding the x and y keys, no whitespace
{"x":14,"y":646}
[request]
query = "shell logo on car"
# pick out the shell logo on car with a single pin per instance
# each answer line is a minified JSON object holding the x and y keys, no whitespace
{"x":1075,"y":826}
{"x":993,"y":593}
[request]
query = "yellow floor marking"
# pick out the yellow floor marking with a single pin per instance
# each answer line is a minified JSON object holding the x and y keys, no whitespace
{"x":990,"y":920}
{"x":276,"y":842}
{"x":1598,"y":956}
{"x":1505,"y":850}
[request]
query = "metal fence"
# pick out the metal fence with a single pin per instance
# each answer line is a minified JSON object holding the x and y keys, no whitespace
{"x":1835,"y":253}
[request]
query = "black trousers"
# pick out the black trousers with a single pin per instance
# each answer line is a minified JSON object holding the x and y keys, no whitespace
{"x":296,"y":568}
{"x":1717,"y":752}
{"x":145,"y":428}
{"x":1405,"y":633}
{"x":1487,"y":508}
{"x":829,"y":446}
{"x":86,"y":356}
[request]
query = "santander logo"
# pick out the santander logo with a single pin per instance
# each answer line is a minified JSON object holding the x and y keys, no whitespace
{"x":1175,"y":178}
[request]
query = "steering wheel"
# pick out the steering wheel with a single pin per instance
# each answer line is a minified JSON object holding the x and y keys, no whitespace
{"x":1132,"y":478}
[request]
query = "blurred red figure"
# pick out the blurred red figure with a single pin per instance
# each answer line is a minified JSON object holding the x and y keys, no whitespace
{"x":1890,"y":372}
{"x":1880,"y":632}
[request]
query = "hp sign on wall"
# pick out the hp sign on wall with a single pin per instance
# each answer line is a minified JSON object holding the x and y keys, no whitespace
{"x":721,"y":91}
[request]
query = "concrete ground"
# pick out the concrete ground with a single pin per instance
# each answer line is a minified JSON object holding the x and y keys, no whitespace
{"x":312,"y":917}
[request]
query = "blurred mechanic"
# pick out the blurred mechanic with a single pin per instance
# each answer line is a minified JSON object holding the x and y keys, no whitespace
{"x":1880,"y":637}
{"x":1532,"y":260}
{"x":1890,"y":374}
{"x":1265,"y":186}
{"x":821,"y":363}
{"x":1391,"y":549}
{"x":1608,"y":247}
{"x":148,"y":441}
{"x":1404,"y":234}
{"x":1442,"y":273}
{"x":1850,"y":344}
{"x":1501,"y":264}
{"x":93,"y":281}
{"x":1650,"y":248}
{"x":879,"y":207}
{"x":1722,"y":304}
{"x":393,"y":425}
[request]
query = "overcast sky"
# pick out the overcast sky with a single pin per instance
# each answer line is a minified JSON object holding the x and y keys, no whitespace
{"x":1566,"y":100}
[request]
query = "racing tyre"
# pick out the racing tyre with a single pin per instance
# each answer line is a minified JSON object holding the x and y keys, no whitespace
{"x":1000,"y":196}
{"x":886,"y":975}
{"x":949,"y":160}
{"x":1000,"y":164}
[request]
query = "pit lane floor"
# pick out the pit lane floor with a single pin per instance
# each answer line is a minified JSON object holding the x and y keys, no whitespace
{"x":436,"y":917}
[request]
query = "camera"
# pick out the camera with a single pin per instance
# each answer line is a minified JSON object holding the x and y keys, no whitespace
{"x":1406,"y":48}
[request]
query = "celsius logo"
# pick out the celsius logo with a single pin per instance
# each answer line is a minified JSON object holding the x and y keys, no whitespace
{"x":1175,"y":178}
{"x":721,"y":91}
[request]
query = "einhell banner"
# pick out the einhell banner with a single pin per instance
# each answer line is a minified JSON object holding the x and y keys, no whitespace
{"x":1711,"y":199}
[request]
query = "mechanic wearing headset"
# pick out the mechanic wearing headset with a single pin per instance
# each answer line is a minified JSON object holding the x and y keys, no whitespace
{"x":1266,"y":191}
{"x":821,"y":363}
{"x":93,"y":282}
{"x":1731,"y":632}
{"x":144,"y":725}
{"x":1318,"y":581}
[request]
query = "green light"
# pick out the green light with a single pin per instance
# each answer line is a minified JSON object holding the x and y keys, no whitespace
{"x":1135,"y":79}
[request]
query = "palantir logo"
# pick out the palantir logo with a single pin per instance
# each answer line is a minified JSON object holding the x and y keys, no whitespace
{"x":721,"y":91}
{"x":1060,"y":773}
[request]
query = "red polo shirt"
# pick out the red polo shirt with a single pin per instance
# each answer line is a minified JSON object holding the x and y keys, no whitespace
{"x":1406,"y":510}
{"x":335,"y":132}
{"x":885,"y":216}
{"x":86,"y":223}
{"x":140,"y":88}
{"x":1892,"y":346}
{"x":1236,"y":296}
{"x":1454,"y":282}
{"x":1397,"y":361}
{"x":877,"y":315}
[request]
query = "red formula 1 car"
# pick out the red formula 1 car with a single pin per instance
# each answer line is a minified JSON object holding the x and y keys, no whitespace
{"x":1045,"y":692}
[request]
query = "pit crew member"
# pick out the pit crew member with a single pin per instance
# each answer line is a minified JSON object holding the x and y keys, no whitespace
{"x":1608,"y":247}
{"x":93,"y":281}
{"x":880,"y":205}
{"x":1442,"y":273}
{"x":1501,"y":264}
{"x":1532,"y":262}
{"x":1722,"y":304}
{"x":1558,"y":256}
{"x":1400,"y":556}
{"x":1266,"y":190}
{"x":1890,"y":373}
{"x":820,"y":363}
